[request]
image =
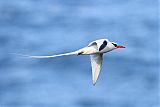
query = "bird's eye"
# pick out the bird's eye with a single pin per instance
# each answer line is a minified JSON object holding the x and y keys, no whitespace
{"x":114,"y":44}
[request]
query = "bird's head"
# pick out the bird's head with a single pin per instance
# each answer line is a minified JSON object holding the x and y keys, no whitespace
{"x":115,"y":45}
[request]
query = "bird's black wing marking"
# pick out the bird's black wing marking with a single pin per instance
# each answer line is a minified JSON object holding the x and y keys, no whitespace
{"x":103,"y":45}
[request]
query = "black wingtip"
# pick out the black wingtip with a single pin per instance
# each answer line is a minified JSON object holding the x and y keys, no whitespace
{"x":94,"y":84}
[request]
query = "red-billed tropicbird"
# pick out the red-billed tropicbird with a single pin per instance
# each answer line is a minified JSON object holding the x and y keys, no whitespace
{"x":95,"y":49}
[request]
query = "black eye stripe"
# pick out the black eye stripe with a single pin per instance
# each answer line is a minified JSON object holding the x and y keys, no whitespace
{"x":114,"y":44}
{"x":103,"y":45}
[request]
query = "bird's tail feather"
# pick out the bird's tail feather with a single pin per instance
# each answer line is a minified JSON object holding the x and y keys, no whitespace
{"x":51,"y":56}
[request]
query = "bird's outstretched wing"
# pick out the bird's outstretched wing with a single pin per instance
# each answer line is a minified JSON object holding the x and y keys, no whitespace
{"x":100,"y":44}
{"x":51,"y":56}
{"x":96,"y":63}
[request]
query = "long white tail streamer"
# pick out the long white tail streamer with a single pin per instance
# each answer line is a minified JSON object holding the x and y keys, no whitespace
{"x":51,"y":56}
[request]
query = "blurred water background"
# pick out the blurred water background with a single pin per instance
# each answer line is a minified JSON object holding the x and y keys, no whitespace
{"x":129,"y":77}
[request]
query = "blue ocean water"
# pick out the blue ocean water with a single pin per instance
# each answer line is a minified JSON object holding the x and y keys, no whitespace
{"x":129,"y":77}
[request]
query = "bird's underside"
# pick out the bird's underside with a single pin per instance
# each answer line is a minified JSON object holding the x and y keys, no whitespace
{"x":96,"y":63}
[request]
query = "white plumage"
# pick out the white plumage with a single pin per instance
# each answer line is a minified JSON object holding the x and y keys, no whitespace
{"x":95,"y":49}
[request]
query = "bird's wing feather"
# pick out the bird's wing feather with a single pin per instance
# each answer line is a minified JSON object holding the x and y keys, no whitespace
{"x":96,"y":63}
{"x":97,"y":43}
{"x":92,"y":43}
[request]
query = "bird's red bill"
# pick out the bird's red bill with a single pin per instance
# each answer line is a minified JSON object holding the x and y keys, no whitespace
{"x":120,"y":46}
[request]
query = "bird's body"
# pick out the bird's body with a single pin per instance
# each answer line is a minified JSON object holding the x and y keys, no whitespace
{"x":95,"y":49}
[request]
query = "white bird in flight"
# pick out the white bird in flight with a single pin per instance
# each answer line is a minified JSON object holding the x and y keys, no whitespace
{"x":95,"y":49}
